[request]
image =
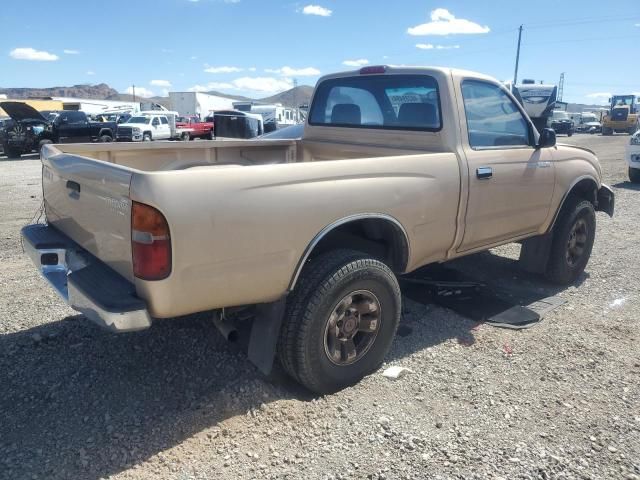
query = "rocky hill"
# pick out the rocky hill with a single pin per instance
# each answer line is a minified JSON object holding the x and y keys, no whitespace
{"x":101,"y":91}
{"x":295,"y":97}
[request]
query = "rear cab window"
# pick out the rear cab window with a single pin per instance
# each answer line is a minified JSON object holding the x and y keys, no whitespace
{"x":390,"y":102}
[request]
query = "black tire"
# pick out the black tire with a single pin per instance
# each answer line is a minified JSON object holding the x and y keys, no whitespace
{"x":210,"y":135}
{"x":146,"y":137}
{"x":634,"y":175}
{"x":607,"y":131}
{"x":569,"y":133}
{"x":563,"y":267}
{"x":12,"y":153}
{"x":105,"y":139}
{"x":323,"y":284}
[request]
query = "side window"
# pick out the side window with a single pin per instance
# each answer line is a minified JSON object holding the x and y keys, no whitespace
{"x":75,"y":117}
{"x":493,"y":120}
{"x":164,"y":120}
{"x":155,"y":122}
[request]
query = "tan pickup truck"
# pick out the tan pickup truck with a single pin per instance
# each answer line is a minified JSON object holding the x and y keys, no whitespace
{"x":396,"y":168}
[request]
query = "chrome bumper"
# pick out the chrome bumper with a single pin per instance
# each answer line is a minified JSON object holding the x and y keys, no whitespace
{"x":84,"y":282}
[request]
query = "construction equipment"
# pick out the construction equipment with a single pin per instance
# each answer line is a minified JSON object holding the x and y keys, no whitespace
{"x":623,"y":115}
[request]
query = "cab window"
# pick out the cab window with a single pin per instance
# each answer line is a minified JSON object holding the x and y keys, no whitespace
{"x":493,"y":119}
{"x":155,"y":122}
{"x":394,"y":102}
{"x":164,"y":120}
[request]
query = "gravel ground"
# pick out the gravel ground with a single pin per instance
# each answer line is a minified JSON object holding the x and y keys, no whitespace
{"x":559,"y":400}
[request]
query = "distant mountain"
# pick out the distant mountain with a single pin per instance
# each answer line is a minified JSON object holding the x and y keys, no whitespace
{"x":300,"y":95}
{"x":581,"y":107}
{"x":232,"y":97}
{"x":102,"y":91}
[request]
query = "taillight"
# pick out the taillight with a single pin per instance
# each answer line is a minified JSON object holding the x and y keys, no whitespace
{"x":150,"y":243}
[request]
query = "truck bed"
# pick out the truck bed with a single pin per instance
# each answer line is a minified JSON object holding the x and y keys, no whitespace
{"x":230,"y":207}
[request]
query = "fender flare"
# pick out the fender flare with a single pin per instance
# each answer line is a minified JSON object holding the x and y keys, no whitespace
{"x":342,"y":221}
{"x":571,"y":188}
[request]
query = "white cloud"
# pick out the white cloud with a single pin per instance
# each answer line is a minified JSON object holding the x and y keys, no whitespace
{"x":317,"y":10}
{"x":263,"y":84}
{"x":90,"y":72}
{"x":222,"y":69}
{"x":356,"y":63}
{"x":254,"y":84}
{"x":603,"y":95}
{"x":71,"y":52}
{"x":252,"y":69}
{"x":294,"y":72}
{"x":28,"y":53}
{"x":637,"y":25}
{"x":430,"y":46}
{"x":140,"y":92}
{"x":160,"y":83}
{"x":445,"y":23}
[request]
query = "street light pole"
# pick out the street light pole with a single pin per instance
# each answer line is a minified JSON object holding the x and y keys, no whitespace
{"x":515,"y":75}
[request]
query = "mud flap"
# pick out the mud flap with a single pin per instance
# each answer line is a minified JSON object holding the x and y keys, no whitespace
{"x":264,"y":334}
{"x":534,"y":254}
{"x":606,"y":200}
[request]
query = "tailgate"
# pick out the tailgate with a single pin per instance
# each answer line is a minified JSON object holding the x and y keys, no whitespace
{"x":88,"y":200}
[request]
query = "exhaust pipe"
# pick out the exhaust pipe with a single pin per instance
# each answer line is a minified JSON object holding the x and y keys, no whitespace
{"x":226,"y":329}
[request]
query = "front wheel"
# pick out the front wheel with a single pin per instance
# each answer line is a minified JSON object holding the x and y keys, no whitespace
{"x":12,"y":153}
{"x":146,"y":137}
{"x":634,"y":175}
{"x":569,"y":133}
{"x":607,"y":131}
{"x":340,"y":321}
{"x":573,"y":237}
{"x":106,"y":139}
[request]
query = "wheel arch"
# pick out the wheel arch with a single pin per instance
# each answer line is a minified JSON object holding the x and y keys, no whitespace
{"x":105,"y":131}
{"x":585,"y":187}
{"x":378,"y":234}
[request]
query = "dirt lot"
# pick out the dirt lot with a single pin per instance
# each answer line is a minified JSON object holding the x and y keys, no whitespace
{"x":559,"y":400}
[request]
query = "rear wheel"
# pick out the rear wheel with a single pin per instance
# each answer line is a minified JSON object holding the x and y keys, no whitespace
{"x":106,"y":138}
{"x":210,"y":135}
{"x":340,"y":321}
{"x":607,"y":131}
{"x":634,"y":175}
{"x":573,"y":237}
{"x":569,"y":133}
{"x":12,"y":152}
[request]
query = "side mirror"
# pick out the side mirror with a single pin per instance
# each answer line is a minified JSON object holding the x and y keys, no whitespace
{"x":547,"y":138}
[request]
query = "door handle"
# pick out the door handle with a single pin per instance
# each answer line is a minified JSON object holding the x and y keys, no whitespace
{"x":484,"y":173}
{"x":75,"y":186}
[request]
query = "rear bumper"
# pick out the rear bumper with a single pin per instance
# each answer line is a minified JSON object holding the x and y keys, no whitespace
{"x":84,"y":282}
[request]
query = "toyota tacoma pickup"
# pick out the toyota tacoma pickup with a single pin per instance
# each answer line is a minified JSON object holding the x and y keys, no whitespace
{"x":30,"y":129}
{"x":396,"y":168}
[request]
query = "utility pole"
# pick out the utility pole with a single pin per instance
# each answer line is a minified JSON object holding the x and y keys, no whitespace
{"x":134,"y":93}
{"x":561,"y":87}
{"x":295,"y":99}
{"x":515,"y":75}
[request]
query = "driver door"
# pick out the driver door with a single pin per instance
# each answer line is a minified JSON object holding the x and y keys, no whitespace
{"x":511,"y":181}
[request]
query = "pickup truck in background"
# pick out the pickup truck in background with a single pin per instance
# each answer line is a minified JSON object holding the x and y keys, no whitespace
{"x":30,"y":129}
{"x":148,"y":126}
{"x":397,"y":168}
{"x":199,"y":128}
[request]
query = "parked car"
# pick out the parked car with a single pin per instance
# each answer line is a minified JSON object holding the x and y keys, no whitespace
{"x":633,"y":157}
{"x":30,"y":129}
{"x":199,"y":128}
{"x":148,"y":126}
{"x":561,"y":123}
{"x":397,"y":168}
{"x":589,"y":123}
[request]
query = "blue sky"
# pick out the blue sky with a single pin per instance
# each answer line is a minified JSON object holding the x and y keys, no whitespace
{"x":258,"y":47}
